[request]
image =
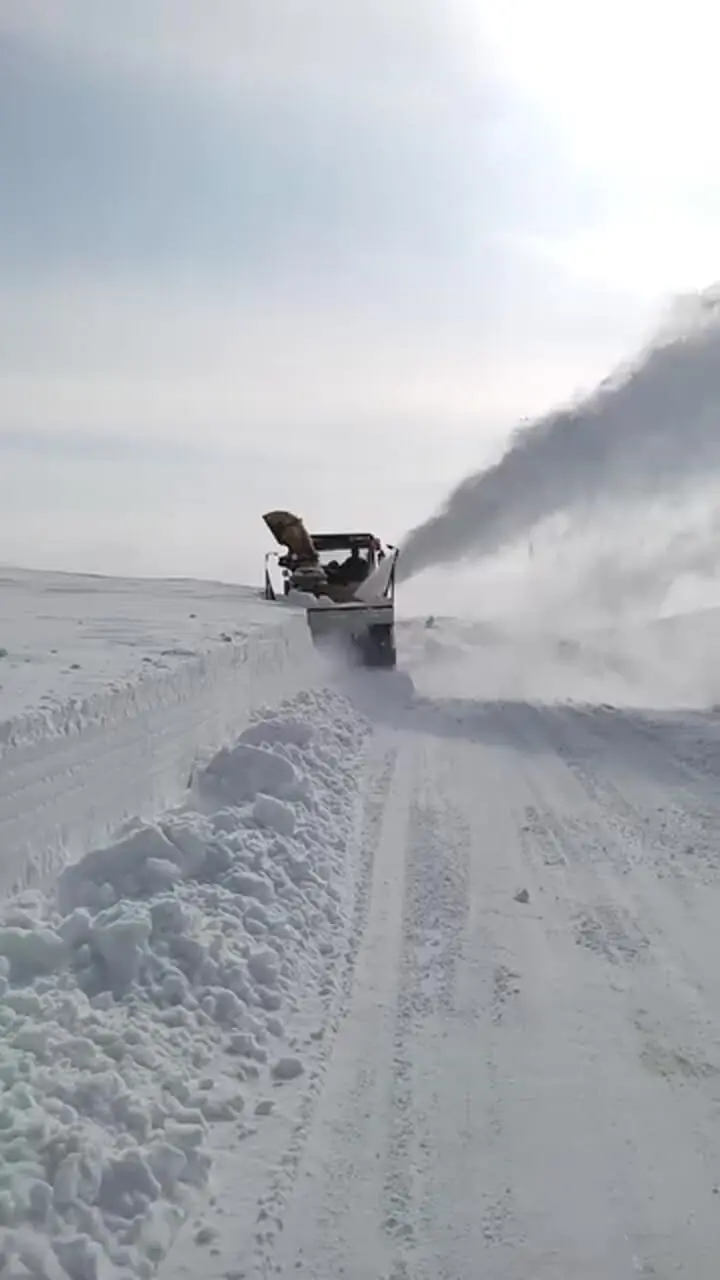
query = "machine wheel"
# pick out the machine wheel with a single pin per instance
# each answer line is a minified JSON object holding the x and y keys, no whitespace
{"x":379,"y":647}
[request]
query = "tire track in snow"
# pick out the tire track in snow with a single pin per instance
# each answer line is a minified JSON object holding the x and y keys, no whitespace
{"x":575,"y":842}
{"x":434,"y":923}
{"x":617,"y":1135}
{"x":505,"y":1096}
{"x":669,"y":895}
{"x":630,"y":904}
{"x":253,"y":1208}
{"x":610,"y":755}
{"x":583,"y":1138}
{"x":669,"y":982}
{"x":667,"y":741}
{"x":332,"y":1223}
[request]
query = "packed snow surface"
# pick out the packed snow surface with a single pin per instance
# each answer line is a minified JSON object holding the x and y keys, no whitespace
{"x":417,"y":976}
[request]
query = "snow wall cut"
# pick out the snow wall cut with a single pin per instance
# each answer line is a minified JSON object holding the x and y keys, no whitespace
{"x":70,"y":777}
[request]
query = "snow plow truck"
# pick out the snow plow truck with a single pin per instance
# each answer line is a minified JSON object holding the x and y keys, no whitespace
{"x":346,"y":582}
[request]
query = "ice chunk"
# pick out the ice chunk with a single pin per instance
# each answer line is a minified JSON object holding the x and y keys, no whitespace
{"x":239,"y":775}
{"x":272,"y":813}
{"x":264,"y":967}
{"x":158,"y":874}
{"x":167,"y":1163}
{"x":83,"y":1258}
{"x":32,"y":951}
{"x":190,"y":834}
{"x":117,"y":865}
{"x":299,"y":733}
{"x":287,"y":1069}
{"x":161,"y":1223}
{"x":120,"y":939}
{"x":253,"y":886}
{"x":33,"y":1253}
{"x":75,"y":929}
{"x":127,"y":1177}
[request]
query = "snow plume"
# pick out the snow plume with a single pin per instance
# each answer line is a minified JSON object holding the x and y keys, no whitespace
{"x":651,"y":429}
{"x":667,"y":560}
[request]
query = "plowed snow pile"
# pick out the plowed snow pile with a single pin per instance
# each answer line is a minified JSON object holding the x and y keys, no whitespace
{"x":152,"y":995}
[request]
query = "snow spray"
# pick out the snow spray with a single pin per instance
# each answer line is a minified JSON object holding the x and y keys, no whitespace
{"x":651,"y":429}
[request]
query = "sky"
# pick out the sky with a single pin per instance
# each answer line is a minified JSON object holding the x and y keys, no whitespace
{"x":322,"y":254}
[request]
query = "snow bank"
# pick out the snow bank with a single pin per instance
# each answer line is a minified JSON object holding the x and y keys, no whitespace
{"x":148,"y":999}
{"x":119,"y":735}
{"x":64,"y":637}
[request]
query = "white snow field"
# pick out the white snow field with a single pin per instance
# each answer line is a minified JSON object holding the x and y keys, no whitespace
{"x":342,"y":978}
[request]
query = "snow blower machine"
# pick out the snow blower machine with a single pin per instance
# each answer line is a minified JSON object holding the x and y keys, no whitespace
{"x":346,"y":582}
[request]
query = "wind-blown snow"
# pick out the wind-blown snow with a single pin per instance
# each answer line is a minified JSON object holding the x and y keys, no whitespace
{"x":669,"y":663}
{"x":650,"y":430}
{"x":147,"y":998}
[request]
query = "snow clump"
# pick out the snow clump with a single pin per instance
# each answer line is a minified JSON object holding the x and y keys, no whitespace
{"x":149,"y":996}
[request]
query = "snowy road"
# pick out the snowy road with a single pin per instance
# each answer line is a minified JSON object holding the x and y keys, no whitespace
{"x":523,"y":1088}
{"x":311,"y":975}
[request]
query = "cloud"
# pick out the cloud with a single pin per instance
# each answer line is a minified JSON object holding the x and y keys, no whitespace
{"x":641,"y":257}
{"x":146,"y":414}
{"x":630,"y":90}
{"x":234,"y":136}
{"x":325,"y":246}
{"x":101,"y":170}
{"x":192,"y":361}
{"x":403,"y":57}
